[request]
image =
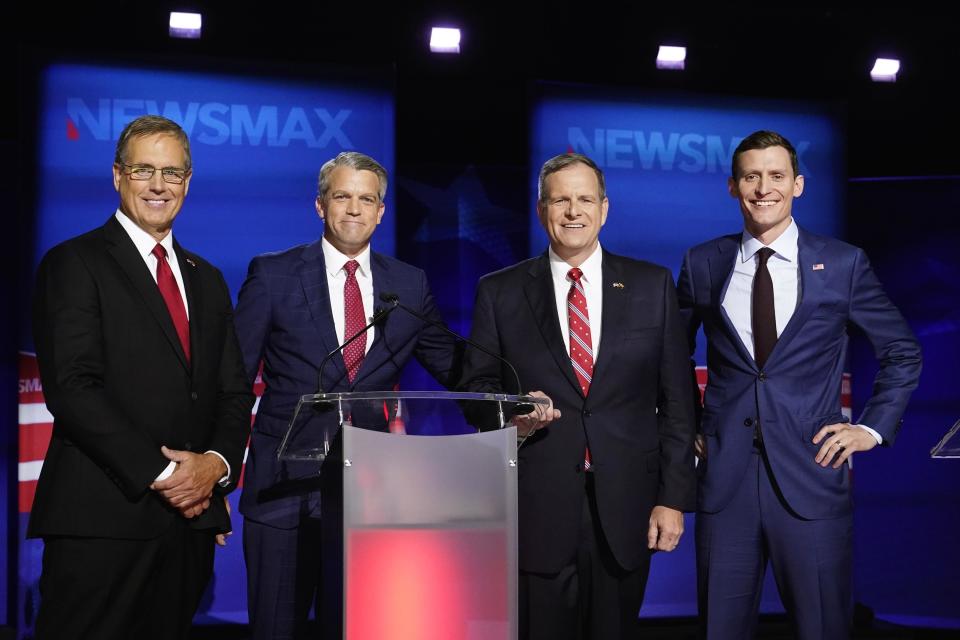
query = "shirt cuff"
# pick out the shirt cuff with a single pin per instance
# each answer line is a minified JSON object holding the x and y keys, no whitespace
{"x":877,"y":436}
{"x":167,"y":472}
{"x":225,"y":480}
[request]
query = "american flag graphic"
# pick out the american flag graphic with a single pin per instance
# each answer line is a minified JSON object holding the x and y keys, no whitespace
{"x":36,"y":425}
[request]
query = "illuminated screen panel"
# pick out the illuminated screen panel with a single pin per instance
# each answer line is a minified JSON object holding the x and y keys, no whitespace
{"x":666,"y":161}
{"x":257,"y":145}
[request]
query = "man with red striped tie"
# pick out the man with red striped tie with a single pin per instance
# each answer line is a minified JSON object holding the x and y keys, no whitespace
{"x":606,"y":482}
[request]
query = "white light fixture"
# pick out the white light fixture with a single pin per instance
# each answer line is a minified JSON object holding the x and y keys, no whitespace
{"x":671,"y":57}
{"x":445,"y":40}
{"x":185,"y":25}
{"x":885,"y":70}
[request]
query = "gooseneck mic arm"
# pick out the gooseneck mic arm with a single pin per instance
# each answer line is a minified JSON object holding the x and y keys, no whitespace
{"x":379,"y":315}
{"x":393,"y":299}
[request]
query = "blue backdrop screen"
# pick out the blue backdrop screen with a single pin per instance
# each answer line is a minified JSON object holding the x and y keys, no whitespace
{"x":666,"y":160}
{"x":257,"y":146}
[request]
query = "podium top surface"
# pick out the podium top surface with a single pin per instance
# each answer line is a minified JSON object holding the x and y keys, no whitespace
{"x":420,"y":395}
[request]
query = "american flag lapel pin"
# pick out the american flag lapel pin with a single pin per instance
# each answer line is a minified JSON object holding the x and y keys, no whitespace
{"x":618,"y":285}
{"x":818,"y":266}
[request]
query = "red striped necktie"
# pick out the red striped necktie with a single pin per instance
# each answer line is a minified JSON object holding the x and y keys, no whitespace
{"x":581,"y":344}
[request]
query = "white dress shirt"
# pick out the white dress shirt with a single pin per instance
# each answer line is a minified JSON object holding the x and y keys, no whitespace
{"x":337,"y":277}
{"x":592,"y":281}
{"x":784,"y":271}
{"x":145,"y":244}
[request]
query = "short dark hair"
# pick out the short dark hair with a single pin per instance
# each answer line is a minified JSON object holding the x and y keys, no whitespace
{"x":563,"y":161}
{"x":764,"y":140}
{"x":148,"y":126}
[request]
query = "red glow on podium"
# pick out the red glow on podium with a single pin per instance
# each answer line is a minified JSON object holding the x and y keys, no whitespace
{"x":410,"y":584}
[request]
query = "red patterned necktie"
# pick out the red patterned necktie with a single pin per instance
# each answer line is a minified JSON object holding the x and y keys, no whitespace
{"x":581,"y":344}
{"x":171,"y":295}
{"x":354,"y":321}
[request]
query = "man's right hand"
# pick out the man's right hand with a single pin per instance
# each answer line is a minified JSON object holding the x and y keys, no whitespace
{"x":541,"y":416}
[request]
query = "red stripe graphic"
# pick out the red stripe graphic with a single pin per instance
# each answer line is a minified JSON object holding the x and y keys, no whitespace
{"x":36,"y":428}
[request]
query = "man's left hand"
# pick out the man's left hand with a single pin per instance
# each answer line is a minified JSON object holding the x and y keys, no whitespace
{"x":840,"y":440}
{"x":193,"y":480}
{"x":666,"y":527}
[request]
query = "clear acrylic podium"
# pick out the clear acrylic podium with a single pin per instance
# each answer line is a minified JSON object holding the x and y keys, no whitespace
{"x":429,"y":522}
{"x":949,"y":445}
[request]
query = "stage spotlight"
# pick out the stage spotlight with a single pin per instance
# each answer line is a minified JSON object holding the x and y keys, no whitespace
{"x":445,"y":40}
{"x":885,"y":70}
{"x":185,"y":25}
{"x":671,"y":57}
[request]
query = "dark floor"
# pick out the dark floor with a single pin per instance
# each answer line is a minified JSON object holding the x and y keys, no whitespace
{"x":771,"y":628}
{"x":774,"y":627}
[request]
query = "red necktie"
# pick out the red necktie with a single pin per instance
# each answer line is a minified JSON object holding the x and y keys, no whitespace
{"x":581,"y":345}
{"x":171,"y":295}
{"x":354,"y":321}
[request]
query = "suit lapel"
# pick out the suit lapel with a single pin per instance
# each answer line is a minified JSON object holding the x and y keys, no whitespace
{"x":542,"y":300}
{"x":313,"y":280}
{"x":811,"y":286}
{"x":122,"y":249}
{"x":614,"y":311}
{"x":722,"y":264}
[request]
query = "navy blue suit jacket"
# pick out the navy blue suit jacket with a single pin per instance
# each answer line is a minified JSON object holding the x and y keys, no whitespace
{"x":798,"y":391}
{"x":284,"y":318}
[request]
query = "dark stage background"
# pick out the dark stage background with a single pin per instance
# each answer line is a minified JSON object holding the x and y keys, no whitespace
{"x":464,"y":148}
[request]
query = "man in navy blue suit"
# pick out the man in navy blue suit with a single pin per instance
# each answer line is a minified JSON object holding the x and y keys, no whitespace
{"x":775,"y":302}
{"x":294,"y":308}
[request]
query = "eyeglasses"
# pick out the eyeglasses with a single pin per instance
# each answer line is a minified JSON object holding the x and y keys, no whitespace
{"x":171,"y":175}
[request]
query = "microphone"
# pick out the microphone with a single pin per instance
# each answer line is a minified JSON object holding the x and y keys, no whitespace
{"x":521,"y":408}
{"x":379,"y":314}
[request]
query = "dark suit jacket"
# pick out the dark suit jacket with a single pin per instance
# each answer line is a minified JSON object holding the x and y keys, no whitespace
{"x":637,"y":416}
{"x":117,"y":382}
{"x":284,"y":319}
{"x":798,"y":392}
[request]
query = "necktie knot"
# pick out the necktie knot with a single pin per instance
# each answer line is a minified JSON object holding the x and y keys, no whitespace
{"x":575,"y":274}
{"x":159,"y":252}
{"x":765,"y":254}
{"x":351,"y":266}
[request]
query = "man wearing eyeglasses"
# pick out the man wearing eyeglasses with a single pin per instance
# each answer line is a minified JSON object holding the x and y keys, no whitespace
{"x":143,"y":374}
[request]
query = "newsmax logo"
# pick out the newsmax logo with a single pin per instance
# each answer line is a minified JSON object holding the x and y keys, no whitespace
{"x":214,"y":123}
{"x":660,"y":150}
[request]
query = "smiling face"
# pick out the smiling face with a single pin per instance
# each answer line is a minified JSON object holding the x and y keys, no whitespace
{"x":765,"y":187}
{"x":351,"y":209}
{"x":572,"y":212}
{"x":152,"y":204}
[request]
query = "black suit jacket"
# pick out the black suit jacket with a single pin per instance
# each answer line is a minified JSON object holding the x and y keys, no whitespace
{"x":637,"y":416}
{"x":118,"y":384}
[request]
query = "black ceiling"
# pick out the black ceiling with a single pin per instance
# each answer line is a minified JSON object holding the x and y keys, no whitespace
{"x":907,"y":128}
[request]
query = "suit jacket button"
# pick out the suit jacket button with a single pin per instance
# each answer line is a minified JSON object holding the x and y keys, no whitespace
{"x":763,"y":376}
{"x":194,"y":395}
{"x":188,"y":446}
{"x":748,"y":422}
{"x":586,"y":413}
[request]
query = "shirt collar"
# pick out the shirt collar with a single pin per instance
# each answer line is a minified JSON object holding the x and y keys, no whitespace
{"x":592,"y":267}
{"x":141,"y":239}
{"x":785,"y":246}
{"x":334,"y":260}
